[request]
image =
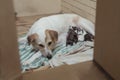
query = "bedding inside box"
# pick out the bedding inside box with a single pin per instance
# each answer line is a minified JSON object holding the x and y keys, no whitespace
{"x":80,"y":52}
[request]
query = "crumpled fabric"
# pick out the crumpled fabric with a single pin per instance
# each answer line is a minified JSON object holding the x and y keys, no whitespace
{"x":80,"y":52}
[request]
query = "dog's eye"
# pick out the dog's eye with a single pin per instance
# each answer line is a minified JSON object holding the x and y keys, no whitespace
{"x":49,"y":43}
{"x":41,"y":45}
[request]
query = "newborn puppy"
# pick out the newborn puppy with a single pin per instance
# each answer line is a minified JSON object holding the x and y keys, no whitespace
{"x":72,"y":36}
{"x":88,"y":37}
{"x":44,"y":34}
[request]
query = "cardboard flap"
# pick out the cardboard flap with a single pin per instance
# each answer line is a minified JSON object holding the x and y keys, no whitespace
{"x":107,"y":41}
{"x":9,"y":57}
{"x":81,"y":71}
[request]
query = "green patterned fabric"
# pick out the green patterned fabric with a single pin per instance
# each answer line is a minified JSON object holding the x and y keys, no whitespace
{"x":25,"y":53}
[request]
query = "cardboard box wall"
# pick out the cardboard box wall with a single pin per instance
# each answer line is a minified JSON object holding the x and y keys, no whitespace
{"x":107,"y":41}
{"x":9,"y":58}
{"x":36,"y":7}
{"x":106,"y":47}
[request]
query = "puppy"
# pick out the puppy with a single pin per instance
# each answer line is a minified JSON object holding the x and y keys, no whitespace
{"x":46,"y":33}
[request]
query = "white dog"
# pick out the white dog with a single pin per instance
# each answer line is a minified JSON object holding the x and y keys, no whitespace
{"x":45,"y":33}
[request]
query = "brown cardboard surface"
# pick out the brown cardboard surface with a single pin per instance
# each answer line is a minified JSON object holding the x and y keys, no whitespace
{"x":36,"y":7}
{"x":81,"y":71}
{"x":107,"y":41}
{"x":9,"y":58}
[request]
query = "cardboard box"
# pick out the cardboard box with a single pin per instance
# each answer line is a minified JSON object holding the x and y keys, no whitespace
{"x":106,"y":48}
{"x":107,"y":45}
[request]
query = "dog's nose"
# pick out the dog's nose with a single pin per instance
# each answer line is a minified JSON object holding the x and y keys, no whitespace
{"x":49,"y":56}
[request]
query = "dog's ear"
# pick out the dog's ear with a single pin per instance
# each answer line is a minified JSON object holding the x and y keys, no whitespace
{"x":32,"y":38}
{"x":51,"y":34}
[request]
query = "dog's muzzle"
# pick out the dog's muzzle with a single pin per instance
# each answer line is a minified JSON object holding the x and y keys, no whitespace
{"x":49,"y":56}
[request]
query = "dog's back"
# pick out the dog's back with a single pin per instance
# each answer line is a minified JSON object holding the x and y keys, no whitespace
{"x":54,"y":22}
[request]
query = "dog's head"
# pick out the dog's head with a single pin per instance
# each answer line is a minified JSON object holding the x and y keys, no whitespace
{"x":45,"y":46}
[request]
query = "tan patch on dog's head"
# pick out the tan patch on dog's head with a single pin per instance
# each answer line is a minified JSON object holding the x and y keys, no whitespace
{"x":51,"y":38}
{"x":32,"y":38}
{"x":52,"y":35}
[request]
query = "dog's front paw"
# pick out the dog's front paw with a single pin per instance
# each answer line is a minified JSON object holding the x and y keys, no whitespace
{"x":26,"y":62}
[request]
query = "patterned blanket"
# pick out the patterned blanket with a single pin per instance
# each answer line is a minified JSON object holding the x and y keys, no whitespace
{"x":82,"y":51}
